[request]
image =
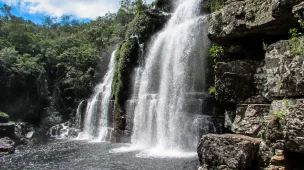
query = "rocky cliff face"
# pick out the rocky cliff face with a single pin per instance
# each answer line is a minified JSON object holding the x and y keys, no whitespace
{"x":261,"y":90}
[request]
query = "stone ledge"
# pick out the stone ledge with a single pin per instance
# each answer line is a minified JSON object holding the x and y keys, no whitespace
{"x":251,"y":18}
{"x":228,"y":151}
{"x":250,"y":118}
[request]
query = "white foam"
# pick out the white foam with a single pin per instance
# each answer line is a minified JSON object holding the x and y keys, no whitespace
{"x":158,"y":153}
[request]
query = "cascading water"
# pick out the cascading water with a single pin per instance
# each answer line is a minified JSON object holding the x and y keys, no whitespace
{"x":96,"y":124}
{"x":78,"y":115}
{"x":172,"y":84}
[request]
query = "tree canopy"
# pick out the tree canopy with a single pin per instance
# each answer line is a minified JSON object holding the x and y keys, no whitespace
{"x":57,"y":63}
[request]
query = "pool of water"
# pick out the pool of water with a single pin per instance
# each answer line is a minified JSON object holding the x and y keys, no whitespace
{"x":64,"y":154}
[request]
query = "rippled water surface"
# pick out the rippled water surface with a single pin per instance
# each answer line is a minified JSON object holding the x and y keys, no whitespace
{"x":61,"y":154}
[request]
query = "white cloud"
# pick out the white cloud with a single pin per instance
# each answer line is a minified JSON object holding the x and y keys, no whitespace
{"x":56,"y":8}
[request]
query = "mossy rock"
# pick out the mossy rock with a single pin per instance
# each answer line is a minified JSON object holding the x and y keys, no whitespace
{"x":126,"y":59}
{"x":145,"y":24}
{"x":4,"y":117}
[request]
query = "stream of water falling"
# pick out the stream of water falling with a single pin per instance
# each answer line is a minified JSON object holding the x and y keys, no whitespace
{"x":96,"y":124}
{"x":78,"y":115}
{"x":173,"y":76}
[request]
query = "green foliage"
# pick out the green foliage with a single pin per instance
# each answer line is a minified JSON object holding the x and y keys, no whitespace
{"x":137,"y":26}
{"x":297,"y":44}
{"x":122,"y":54}
{"x":265,"y":46}
{"x":277,"y":115}
{"x":215,"y":51}
{"x":213,"y":5}
{"x":3,"y":114}
{"x":55,"y":64}
{"x":139,"y":7}
{"x":212,"y":90}
{"x":293,"y":32}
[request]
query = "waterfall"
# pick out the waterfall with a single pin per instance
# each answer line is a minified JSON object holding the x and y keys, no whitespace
{"x":78,"y":115}
{"x":172,"y":83}
{"x":96,"y":124}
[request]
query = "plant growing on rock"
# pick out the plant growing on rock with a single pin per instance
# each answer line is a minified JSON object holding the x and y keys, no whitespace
{"x":213,"y":5}
{"x":280,"y":113}
{"x":265,"y":46}
{"x":212,"y":90}
{"x":297,"y":44}
{"x":215,"y":51}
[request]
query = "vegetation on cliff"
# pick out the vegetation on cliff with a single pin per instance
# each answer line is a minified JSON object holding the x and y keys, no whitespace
{"x":49,"y":68}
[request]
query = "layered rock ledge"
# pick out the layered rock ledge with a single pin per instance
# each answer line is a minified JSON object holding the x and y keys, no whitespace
{"x":231,"y":151}
{"x":251,"y":18}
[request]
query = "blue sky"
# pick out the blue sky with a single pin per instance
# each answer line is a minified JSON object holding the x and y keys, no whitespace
{"x":83,"y":10}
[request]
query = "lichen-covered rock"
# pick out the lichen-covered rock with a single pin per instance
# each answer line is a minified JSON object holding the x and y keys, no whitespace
{"x":234,"y":81}
{"x":294,"y":137}
{"x":284,"y":70}
{"x":7,"y":145}
{"x":249,"y":119}
{"x":228,"y":152}
{"x":251,"y":18}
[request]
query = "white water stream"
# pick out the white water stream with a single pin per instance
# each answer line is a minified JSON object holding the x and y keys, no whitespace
{"x":96,"y":125}
{"x":172,"y":78}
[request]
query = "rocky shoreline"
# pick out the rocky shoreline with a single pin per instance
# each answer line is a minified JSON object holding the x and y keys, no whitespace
{"x":13,"y":134}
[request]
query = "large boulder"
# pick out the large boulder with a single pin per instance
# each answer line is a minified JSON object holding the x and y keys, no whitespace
{"x":251,"y":18}
{"x":228,"y":152}
{"x":250,"y":118}
{"x":234,"y":81}
{"x":6,"y":146}
{"x":284,"y":70}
